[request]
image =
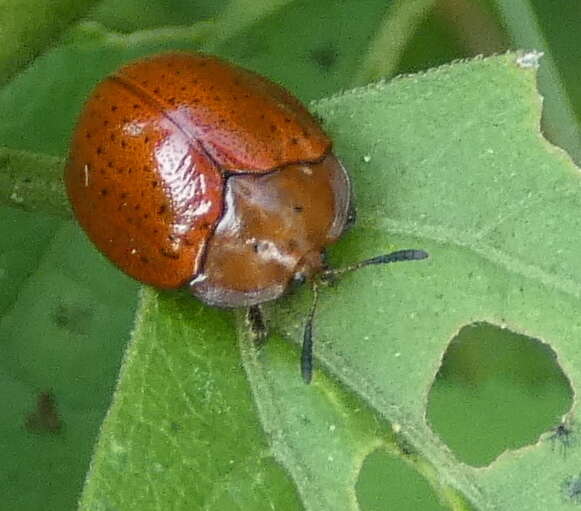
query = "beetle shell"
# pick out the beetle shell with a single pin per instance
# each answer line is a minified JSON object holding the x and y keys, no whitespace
{"x":165,"y":154}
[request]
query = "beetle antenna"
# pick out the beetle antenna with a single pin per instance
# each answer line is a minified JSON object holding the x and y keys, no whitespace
{"x":307,"y":352}
{"x":393,"y":257}
{"x":409,"y":254}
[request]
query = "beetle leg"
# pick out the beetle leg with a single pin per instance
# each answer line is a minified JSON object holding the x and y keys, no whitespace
{"x":307,"y":351}
{"x":257,"y":325}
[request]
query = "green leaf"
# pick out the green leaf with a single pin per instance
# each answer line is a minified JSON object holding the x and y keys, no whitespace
{"x":28,"y":27}
{"x":451,"y":161}
{"x":64,"y":323}
{"x":27,"y":181}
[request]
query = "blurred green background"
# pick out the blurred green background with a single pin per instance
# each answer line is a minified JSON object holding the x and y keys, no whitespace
{"x":60,"y":350}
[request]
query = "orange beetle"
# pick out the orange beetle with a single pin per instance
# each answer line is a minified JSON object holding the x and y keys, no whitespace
{"x":190,"y":172}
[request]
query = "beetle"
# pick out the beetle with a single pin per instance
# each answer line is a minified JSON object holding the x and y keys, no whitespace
{"x":190,"y":172}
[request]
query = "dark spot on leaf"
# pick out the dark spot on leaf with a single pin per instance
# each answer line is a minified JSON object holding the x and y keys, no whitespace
{"x":563,"y":437}
{"x":73,"y":318}
{"x":45,"y":418}
{"x":325,"y":57}
{"x":571,"y":489}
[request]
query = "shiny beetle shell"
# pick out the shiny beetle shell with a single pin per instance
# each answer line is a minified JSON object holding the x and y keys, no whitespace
{"x":188,"y":171}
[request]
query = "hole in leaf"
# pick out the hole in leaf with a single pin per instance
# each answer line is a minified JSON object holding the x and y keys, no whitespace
{"x":496,"y":390}
{"x":386,"y":482}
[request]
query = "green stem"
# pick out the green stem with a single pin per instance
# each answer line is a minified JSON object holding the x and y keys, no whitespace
{"x":398,"y":27}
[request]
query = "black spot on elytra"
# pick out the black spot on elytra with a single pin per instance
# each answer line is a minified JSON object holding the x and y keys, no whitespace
{"x":171,"y":254}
